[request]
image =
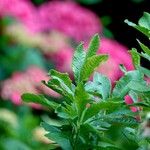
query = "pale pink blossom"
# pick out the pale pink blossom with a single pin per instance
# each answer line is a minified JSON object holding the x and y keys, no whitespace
{"x":26,"y":82}
{"x":15,"y":97}
{"x":117,"y":55}
{"x":70,"y":18}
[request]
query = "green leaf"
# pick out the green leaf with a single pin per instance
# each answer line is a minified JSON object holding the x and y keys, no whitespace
{"x":61,"y":83}
{"x":61,"y":77}
{"x":55,"y":85}
{"x":85,"y":131}
{"x":84,"y":64}
{"x":81,"y":98}
{"x":145,"y":71}
{"x":58,"y":136}
{"x":145,"y":21}
{"x":54,"y":122}
{"x":101,"y":85}
{"x":91,"y":64}
{"x":67,"y":112}
{"x":78,"y":61}
{"x":122,"y":120}
{"x":39,"y":99}
{"x":135,"y":57}
{"x":145,"y":55}
{"x":93,"y":46}
{"x":95,"y":108}
{"x":134,"y":96}
{"x":122,"y":111}
{"x":81,"y":59}
{"x":139,"y":87}
{"x":122,"y":86}
{"x":144,"y":30}
{"x":123,"y":68}
{"x":108,"y":146}
{"x":144,"y":48}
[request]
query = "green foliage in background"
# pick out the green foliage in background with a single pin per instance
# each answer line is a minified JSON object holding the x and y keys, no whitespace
{"x":94,"y":114}
{"x":17,"y":126}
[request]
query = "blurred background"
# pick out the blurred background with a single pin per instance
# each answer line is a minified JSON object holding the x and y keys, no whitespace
{"x":38,"y":35}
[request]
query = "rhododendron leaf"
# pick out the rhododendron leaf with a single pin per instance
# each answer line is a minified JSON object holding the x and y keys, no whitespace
{"x":95,"y":108}
{"x":101,"y":85}
{"x":145,"y":21}
{"x":39,"y":99}
{"x":90,"y":65}
{"x":135,"y":57}
{"x":122,"y":86}
{"x":144,"y":48}
{"x":93,"y":46}
{"x":58,"y":136}
{"x":144,"y":30}
{"x":78,"y":61}
{"x":81,"y":98}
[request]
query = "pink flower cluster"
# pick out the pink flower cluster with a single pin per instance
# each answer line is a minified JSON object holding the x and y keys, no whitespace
{"x":67,"y":17}
{"x":22,"y":82}
{"x":22,"y":10}
{"x":117,"y":55}
{"x":71,"y":19}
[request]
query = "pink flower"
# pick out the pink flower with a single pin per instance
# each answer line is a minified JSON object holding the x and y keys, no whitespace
{"x":62,"y":59}
{"x":36,"y":74}
{"x":26,"y":82}
{"x":129,"y":101}
{"x":117,"y":55}
{"x":15,"y":97}
{"x":147,"y":80}
{"x":23,"y":11}
{"x":70,"y":18}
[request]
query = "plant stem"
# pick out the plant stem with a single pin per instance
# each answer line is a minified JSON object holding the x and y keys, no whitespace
{"x":77,"y":128}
